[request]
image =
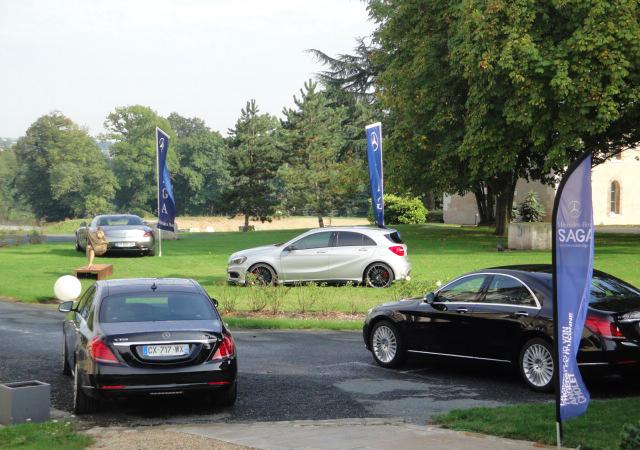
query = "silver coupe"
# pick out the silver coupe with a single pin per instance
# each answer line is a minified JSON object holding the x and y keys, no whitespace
{"x":124,"y":232}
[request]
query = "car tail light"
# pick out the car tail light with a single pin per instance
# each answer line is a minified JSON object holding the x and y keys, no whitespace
{"x":226,"y":349}
{"x":603,"y":327}
{"x":218,"y":383}
{"x":397,"y":249}
{"x":100,"y":352}
{"x":148,"y":234}
{"x":113,"y":386}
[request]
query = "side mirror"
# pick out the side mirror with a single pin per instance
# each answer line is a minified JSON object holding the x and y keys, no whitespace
{"x":429,"y":298}
{"x":65,"y":307}
{"x":215,"y":302}
{"x":83,"y":224}
{"x":292,"y":248}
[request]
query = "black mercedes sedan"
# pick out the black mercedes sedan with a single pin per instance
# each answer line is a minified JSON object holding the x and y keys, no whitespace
{"x":505,"y":315}
{"x":147,"y":337}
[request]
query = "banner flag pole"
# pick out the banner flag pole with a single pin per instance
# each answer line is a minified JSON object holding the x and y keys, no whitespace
{"x":166,"y":201}
{"x":572,"y":256}
{"x":373,"y":135}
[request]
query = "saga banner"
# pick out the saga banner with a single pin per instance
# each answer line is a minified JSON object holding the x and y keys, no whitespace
{"x":166,"y":202}
{"x":374,"y":156}
{"x":572,"y":273}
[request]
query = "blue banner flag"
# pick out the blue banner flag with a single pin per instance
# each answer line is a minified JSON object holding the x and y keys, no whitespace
{"x":572,"y":273}
{"x":166,"y":202}
{"x":374,"y":155}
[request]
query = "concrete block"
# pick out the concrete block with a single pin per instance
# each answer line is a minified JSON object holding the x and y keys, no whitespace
{"x":25,"y":401}
{"x":530,"y":236}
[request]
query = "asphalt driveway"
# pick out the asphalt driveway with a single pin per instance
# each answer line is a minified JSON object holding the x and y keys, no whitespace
{"x":284,"y":375}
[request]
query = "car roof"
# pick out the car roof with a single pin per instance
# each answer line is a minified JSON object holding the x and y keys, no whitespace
{"x":355,"y":228}
{"x":123,"y":285}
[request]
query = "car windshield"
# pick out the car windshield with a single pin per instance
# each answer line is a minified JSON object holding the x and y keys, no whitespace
{"x":110,"y":221}
{"x":163,"y":306}
{"x":603,"y":287}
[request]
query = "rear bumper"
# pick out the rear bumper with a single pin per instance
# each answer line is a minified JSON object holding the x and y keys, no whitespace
{"x":401,"y":269}
{"x":608,"y":355}
{"x":109,"y":381}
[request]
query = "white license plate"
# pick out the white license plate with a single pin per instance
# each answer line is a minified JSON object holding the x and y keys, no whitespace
{"x":165,"y":350}
{"x":125,"y":244}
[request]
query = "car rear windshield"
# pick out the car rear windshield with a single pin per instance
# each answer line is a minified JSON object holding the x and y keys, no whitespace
{"x":163,"y":306}
{"x":110,"y":221}
{"x":394,"y":237}
{"x":603,"y":287}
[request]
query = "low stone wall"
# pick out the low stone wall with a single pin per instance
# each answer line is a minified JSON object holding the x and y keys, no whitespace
{"x":530,"y":236}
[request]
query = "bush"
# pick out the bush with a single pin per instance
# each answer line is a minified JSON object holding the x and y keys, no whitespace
{"x":530,"y":210}
{"x":401,"y":210}
{"x":630,"y":438}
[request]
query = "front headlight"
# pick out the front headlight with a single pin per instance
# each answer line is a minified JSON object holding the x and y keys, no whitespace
{"x":239,"y":260}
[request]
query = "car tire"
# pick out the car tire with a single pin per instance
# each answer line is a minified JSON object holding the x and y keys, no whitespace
{"x":82,"y":403}
{"x":66,"y":368}
{"x":265,"y":274}
{"x":78,"y":247}
{"x":537,"y":365}
{"x":387,"y":344}
{"x":227,"y":397}
{"x":151,"y":252}
{"x":378,"y":275}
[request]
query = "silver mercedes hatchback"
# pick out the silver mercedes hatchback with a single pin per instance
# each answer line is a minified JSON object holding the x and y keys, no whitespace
{"x":373,"y":256}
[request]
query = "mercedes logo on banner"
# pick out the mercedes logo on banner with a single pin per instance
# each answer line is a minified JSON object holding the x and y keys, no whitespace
{"x":575,"y":208}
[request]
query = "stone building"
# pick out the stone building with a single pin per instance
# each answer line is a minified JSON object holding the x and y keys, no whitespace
{"x":616,"y":194}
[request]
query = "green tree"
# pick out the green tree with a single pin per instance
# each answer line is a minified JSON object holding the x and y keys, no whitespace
{"x":319,"y":174}
{"x":203,"y":176}
{"x":132,"y":131}
{"x":8,"y":194}
{"x":254,"y":158}
{"x":61,"y":171}
{"x":482,"y":92}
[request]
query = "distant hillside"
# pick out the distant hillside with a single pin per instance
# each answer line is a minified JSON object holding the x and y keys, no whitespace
{"x":6,"y":142}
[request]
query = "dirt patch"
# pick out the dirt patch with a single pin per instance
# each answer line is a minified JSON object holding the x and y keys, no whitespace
{"x":153,"y":439}
{"x":208,"y":224}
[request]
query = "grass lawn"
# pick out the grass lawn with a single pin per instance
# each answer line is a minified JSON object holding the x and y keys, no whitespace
{"x":437,"y":252}
{"x":599,"y":428}
{"x":37,"y":436}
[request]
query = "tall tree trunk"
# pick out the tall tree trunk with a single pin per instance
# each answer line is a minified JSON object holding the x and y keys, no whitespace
{"x":504,"y":187}
{"x":485,"y":202}
{"x":320,"y":221}
{"x":246,"y":222}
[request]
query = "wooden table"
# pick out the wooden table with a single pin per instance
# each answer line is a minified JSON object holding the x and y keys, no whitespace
{"x":97,"y":271}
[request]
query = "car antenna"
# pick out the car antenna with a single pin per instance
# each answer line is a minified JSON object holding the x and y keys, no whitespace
{"x":153,"y":286}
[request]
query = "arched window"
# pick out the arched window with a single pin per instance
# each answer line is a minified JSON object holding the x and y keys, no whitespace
{"x":614,"y":198}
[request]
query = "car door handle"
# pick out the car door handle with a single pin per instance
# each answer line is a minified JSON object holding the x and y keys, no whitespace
{"x":321,"y":251}
{"x":362,"y":249}
{"x":521,"y":314}
{"x":462,"y":310}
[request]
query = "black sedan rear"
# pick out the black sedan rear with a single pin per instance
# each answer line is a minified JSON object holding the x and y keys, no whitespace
{"x":505,"y":315}
{"x":147,"y":337}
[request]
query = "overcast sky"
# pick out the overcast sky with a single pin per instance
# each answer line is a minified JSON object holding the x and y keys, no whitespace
{"x":201,"y":58}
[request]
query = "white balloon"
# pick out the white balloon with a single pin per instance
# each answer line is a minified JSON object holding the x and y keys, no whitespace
{"x":67,"y":288}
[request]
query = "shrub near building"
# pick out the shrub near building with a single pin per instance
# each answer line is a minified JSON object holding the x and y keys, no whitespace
{"x":402,"y":210}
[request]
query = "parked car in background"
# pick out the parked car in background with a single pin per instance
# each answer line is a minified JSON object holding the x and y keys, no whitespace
{"x":146,"y":337}
{"x":373,"y":256}
{"x":124,"y":232}
{"x":505,"y":315}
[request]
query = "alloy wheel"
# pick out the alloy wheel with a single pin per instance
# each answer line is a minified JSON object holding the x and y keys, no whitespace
{"x":379,"y":276}
{"x":384,"y":343}
{"x":263,"y":275}
{"x":537,"y":365}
